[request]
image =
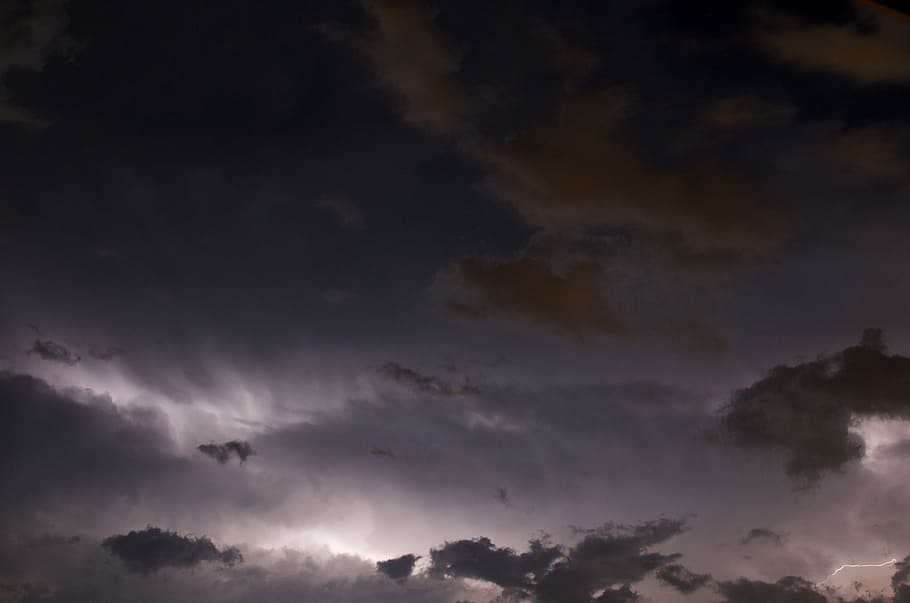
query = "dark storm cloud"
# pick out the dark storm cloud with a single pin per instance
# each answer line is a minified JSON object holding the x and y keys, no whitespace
{"x":762,"y":535}
{"x":152,"y":549}
{"x":425,"y":383}
{"x":69,"y":445}
{"x":790,"y":589}
{"x":58,"y":570}
{"x":223,"y":452}
{"x":611,"y":558}
{"x":398,"y":568}
{"x":808,"y":409}
{"x":900,"y":581}
{"x":54,"y":352}
{"x":682,"y":579}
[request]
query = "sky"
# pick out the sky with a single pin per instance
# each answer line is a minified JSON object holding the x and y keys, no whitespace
{"x":455,"y":301}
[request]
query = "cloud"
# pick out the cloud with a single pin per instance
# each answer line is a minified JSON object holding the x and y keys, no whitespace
{"x":424,"y":383}
{"x":747,"y":112}
{"x":54,"y":352}
{"x":14,"y":114}
{"x":223,"y":452}
{"x":570,"y":302}
{"x":808,"y":409}
{"x":610,"y":558}
{"x":763,"y":535}
{"x":876,"y":152}
{"x":29,"y":32}
{"x":105,"y":353}
{"x":398,"y":568}
{"x":348,"y":214}
{"x":577,"y":171}
{"x":152,"y":549}
{"x":417,"y":63}
{"x":790,"y":589}
{"x":866,"y":57}
{"x":681,"y":579}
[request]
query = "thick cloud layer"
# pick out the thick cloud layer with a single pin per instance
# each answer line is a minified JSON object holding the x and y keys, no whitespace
{"x":149,"y":550}
{"x":613,"y":558}
{"x":809,"y":409}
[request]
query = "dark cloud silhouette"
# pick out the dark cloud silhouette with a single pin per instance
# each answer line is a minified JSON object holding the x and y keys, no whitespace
{"x":900,"y":581}
{"x":398,"y":568}
{"x":790,"y":589}
{"x":610,"y":558}
{"x":223,"y":452}
{"x":762,"y":535}
{"x":383,"y":452}
{"x":149,"y":550}
{"x":808,"y":409}
{"x":682,"y":579}
{"x":425,"y":383}
{"x":54,"y":352}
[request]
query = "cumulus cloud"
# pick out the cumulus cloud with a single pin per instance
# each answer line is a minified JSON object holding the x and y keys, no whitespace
{"x":152,"y":549}
{"x":808,"y":409}
{"x":223,"y":452}
{"x":398,"y":568}
{"x":54,"y":352}
{"x":608,"y":559}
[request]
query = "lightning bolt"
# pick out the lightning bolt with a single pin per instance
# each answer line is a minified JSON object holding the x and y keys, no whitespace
{"x":853,"y":565}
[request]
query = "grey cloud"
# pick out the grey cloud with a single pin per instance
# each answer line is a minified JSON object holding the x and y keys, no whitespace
{"x":54,"y":352}
{"x":425,"y":383}
{"x":762,"y":535}
{"x":681,"y":578}
{"x":808,"y":409}
{"x":105,"y":353}
{"x":398,"y":568}
{"x":223,"y":452}
{"x":790,"y":589}
{"x":610,"y":558}
{"x":152,"y":549}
